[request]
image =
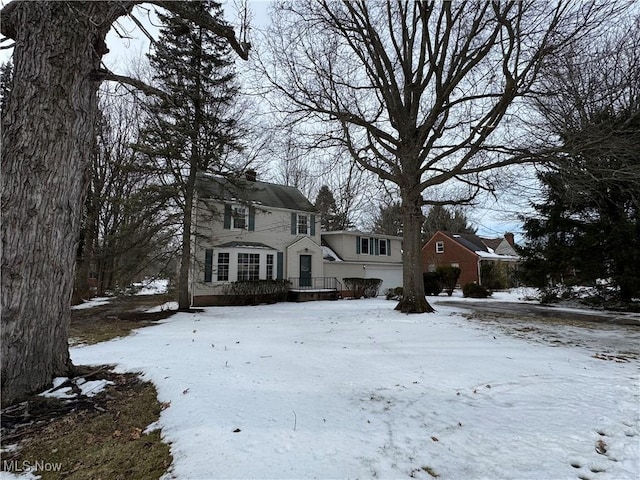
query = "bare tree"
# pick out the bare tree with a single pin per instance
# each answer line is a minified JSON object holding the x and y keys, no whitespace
{"x":47,"y":138}
{"x":127,"y":224}
{"x":354,"y":187}
{"x":290,"y":162}
{"x":416,"y":91}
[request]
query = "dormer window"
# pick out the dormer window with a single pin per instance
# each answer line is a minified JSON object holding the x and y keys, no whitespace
{"x":439,"y":247}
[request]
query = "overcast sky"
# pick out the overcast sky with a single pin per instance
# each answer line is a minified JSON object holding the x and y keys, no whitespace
{"x":493,"y":217}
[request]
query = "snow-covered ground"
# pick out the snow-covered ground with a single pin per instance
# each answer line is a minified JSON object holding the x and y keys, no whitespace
{"x":152,"y":287}
{"x":94,"y":302}
{"x":353,"y":389}
{"x":146,"y":287}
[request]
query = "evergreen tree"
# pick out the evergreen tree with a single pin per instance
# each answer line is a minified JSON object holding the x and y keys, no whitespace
{"x":445,"y":219}
{"x":588,"y":227}
{"x":326,"y":207}
{"x":389,"y":220}
{"x":192,"y":128}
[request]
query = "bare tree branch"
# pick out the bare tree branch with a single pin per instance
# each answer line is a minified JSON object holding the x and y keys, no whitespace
{"x":104,"y":74}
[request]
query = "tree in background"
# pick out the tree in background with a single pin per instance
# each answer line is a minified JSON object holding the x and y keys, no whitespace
{"x":326,"y":208}
{"x":192,"y":128}
{"x":47,"y":143}
{"x":292,"y":167}
{"x":587,"y":227}
{"x":388,"y":221}
{"x":309,"y":169}
{"x":446,"y":219}
{"x":126,"y":225}
{"x":415,"y":91}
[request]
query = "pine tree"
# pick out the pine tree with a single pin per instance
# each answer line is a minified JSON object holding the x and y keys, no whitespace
{"x":326,"y":207}
{"x":192,"y":129}
{"x":389,"y":220}
{"x":588,"y":227}
{"x":586,"y":231}
{"x":445,"y":219}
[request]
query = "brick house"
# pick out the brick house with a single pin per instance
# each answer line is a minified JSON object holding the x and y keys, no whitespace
{"x":470,"y":253}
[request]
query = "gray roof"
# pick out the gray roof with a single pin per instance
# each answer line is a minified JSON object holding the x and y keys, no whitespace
{"x":483,"y":247}
{"x":261,"y":193}
{"x":469,"y":240}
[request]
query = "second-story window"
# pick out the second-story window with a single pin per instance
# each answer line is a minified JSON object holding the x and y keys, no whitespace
{"x":383,"y":247}
{"x":303,"y":224}
{"x":364,"y":246}
{"x":439,"y":247}
{"x":239,"y":218}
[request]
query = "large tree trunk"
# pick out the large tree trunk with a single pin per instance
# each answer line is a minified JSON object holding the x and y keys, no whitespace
{"x":413,"y":298}
{"x":47,"y":139}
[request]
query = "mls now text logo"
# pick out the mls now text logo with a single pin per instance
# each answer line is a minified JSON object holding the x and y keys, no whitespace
{"x":29,"y":466}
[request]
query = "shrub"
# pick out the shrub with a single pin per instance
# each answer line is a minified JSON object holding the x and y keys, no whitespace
{"x":363,"y":287}
{"x":393,"y":293}
{"x":432,"y":283}
{"x":448,"y":277}
{"x":255,"y":292}
{"x":473,"y":290}
{"x":493,"y":275}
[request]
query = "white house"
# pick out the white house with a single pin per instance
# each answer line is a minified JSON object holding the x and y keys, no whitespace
{"x":244,"y":229}
{"x":364,"y":255}
{"x":250,"y":230}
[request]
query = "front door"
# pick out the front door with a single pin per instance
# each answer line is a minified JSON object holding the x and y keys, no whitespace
{"x":305,"y":270}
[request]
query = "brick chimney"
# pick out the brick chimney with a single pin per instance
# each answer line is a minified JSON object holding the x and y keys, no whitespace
{"x":509,"y":237}
{"x":251,"y":175}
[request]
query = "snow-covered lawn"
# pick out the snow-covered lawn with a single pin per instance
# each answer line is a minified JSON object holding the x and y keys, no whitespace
{"x":94,"y":302}
{"x":353,"y":389}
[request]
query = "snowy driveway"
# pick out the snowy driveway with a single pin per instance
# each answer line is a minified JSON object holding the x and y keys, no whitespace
{"x":615,"y":336}
{"x":353,"y":389}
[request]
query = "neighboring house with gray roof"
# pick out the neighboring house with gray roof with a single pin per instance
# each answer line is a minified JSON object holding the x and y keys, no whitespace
{"x":246,"y":229}
{"x":472,"y":254}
